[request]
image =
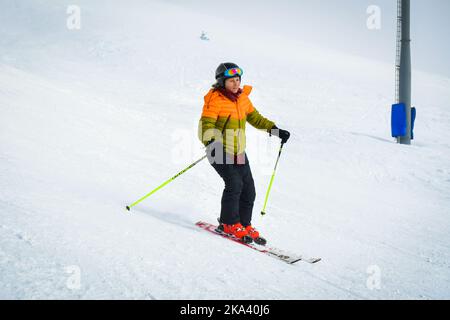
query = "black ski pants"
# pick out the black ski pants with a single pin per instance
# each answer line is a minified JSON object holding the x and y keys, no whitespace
{"x":239,"y":193}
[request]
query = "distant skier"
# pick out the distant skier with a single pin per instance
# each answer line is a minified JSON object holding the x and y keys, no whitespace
{"x":226,"y":110}
{"x":204,"y":36}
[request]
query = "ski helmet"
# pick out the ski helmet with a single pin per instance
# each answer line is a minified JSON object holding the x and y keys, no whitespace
{"x":227,"y":70}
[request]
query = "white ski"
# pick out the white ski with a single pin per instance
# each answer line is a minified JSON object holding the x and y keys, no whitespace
{"x":273,"y":252}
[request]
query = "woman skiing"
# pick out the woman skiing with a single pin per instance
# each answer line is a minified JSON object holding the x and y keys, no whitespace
{"x":226,"y":110}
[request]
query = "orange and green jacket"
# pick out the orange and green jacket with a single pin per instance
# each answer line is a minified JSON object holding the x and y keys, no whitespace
{"x":224,"y":120}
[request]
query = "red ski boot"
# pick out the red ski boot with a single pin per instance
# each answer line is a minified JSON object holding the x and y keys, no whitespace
{"x":236,"y":230}
{"x":254,"y":234}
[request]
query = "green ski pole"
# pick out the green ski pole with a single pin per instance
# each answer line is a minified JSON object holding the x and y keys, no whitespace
{"x":162,"y":185}
{"x":263,"y":212}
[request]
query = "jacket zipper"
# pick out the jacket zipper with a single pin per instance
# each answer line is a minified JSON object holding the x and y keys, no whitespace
{"x":225,"y":125}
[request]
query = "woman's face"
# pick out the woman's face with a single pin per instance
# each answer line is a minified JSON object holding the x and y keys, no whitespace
{"x":233,"y":84}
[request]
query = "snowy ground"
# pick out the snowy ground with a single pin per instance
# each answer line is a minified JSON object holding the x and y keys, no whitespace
{"x":92,"y":119}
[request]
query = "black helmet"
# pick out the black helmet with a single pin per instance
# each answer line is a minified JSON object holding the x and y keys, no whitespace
{"x":232,"y":68}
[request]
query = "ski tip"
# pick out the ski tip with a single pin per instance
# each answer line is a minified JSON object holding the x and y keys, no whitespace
{"x":309,"y":260}
{"x":263,"y":213}
{"x":128,"y":208}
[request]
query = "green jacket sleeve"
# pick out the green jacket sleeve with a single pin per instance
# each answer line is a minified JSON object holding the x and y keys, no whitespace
{"x":206,"y":128}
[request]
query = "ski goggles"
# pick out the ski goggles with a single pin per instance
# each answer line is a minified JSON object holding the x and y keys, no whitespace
{"x":233,"y":72}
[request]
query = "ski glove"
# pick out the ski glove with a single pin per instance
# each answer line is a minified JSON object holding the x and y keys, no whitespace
{"x":280,"y":133}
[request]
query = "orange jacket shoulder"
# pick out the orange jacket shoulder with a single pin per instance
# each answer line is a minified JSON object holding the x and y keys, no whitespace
{"x":212,"y":104}
{"x":247,"y":90}
{"x":247,"y":104}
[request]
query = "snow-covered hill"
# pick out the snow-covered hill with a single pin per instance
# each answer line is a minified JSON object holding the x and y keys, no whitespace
{"x":93,"y":119}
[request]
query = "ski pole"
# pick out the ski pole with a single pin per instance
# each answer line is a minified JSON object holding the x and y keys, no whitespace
{"x":263,"y":212}
{"x":162,"y":185}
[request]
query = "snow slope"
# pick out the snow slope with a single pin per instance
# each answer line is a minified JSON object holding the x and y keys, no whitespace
{"x":92,"y":119}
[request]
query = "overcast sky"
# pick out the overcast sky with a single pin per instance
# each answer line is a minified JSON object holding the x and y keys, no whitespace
{"x":342,"y":25}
